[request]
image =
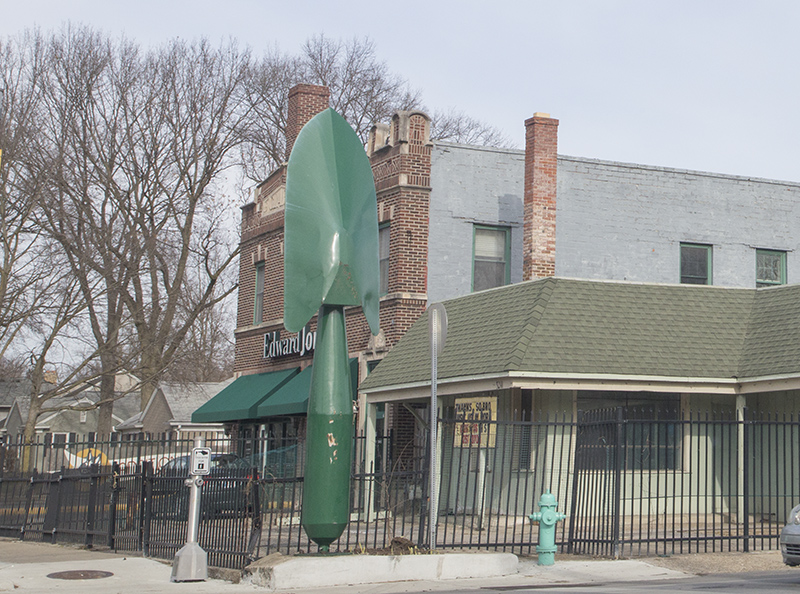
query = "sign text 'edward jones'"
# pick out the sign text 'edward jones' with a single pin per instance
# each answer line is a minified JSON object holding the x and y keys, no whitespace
{"x":300,"y":344}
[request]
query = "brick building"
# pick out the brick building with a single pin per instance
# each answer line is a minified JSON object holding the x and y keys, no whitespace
{"x":456,"y":219}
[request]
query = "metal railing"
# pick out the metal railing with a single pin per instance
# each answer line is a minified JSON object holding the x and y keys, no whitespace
{"x":630,"y":484}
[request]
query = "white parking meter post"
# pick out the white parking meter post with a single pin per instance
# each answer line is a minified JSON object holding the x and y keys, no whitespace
{"x":191,"y":561}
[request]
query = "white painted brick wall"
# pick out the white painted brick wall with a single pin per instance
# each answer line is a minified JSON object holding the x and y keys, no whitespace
{"x":614,"y":220}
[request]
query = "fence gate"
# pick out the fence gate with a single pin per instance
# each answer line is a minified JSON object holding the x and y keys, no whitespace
{"x":596,"y":496}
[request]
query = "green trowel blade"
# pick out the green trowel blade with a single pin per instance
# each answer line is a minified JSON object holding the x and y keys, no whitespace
{"x":330,"y":224}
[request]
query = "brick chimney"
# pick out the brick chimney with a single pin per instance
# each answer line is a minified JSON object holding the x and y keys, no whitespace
{"x":305,"y":101}
{"x":541,"y":164}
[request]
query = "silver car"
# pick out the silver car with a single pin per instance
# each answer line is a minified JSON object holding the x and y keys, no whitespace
{"x":790,"y":538}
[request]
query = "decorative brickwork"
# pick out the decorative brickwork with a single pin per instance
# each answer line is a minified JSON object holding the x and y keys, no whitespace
{"x":541,"y":167}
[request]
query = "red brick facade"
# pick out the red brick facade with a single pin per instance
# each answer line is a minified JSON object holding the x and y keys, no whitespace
{"x":539,"y":243}
{"x":305,"y":101}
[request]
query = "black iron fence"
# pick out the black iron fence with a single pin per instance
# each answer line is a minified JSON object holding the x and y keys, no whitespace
{"x":630,"y":484}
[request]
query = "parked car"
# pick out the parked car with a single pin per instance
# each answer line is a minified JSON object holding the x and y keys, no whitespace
{"x":790,"y":538}
{"x":226,"y":488}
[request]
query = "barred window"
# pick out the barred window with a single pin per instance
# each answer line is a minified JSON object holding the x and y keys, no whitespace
{"x":651,"y":430}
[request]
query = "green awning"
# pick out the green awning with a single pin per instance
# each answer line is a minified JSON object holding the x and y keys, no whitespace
{"x":240,"y":400}
{"x":290,"y":399}
{"x":260,"y":395}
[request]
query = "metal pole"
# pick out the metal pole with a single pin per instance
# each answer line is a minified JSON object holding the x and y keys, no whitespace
{"x":437,"y":325}
{"x":191,"y":561}
{"x":620,"y":453}
{"x":434,"y":506}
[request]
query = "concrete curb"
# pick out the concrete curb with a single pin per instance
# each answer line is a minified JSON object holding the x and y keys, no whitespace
{"x":278,"y":572}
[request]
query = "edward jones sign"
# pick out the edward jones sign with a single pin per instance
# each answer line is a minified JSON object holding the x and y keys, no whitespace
{"x":300,"y":344}
{"x":472,"y":428}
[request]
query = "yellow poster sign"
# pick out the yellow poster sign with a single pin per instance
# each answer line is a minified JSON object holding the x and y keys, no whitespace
{"x":474,"y":422}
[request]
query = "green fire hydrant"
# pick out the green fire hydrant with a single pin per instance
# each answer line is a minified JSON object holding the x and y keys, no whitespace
{"x":547,"y":518}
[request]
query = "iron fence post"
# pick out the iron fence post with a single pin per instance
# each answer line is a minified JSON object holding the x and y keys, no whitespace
{"x":52,"y":513}
{"x":573,"y":514}
{"x":142,"y":470}
{"x":91,"y":505}
{"x":423,"y":500}
{"x":112,"y":511}
{"x":746,"y":482}
{"x":28,"y":502}
{"x":618,"y":456}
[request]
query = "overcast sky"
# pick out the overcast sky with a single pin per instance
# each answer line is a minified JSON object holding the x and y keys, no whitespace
{"x":705,"y":85}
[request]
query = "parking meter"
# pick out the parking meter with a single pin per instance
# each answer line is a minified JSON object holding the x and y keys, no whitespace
{"x":191,"y":561}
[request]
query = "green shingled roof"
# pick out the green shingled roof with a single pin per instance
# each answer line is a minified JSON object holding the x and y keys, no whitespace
{"x":566,"y":326}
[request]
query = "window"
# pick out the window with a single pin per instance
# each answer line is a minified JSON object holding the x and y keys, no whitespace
{"x":770,"y":268}
{"x":491,"y":255}
{"x":259,"y":306}
{"x":648,"y":430}
{"x":383,"y":256}
{"x":695,"y":264}
{"x":522,"y":432}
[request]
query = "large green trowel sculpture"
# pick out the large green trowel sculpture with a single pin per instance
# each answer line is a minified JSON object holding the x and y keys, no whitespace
{"x":330,"y":261}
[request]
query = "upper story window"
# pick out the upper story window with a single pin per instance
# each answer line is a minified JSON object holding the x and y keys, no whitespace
{"x":383,"y":256}
{"x":491,"y":257}
{"x":695,"y":264}
{"x":258,"y":310}
{"x":770,"y":268}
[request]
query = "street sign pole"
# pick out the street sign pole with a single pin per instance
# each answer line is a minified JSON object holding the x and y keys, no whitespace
{"x":437,"y":325}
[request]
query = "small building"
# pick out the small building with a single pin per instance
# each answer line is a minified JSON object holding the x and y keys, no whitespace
{"x":65,"y":417}
{"x":561,"y":348}
{"x":168,"y":414}
{"x":10,"y":390}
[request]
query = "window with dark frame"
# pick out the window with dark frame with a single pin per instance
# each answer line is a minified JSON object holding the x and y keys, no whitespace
{"x":695,"y":264}
{"x":490,"y":257}
{"x":383,"y":257}
{"x":258,"y":310}
{"x":770,"y":268}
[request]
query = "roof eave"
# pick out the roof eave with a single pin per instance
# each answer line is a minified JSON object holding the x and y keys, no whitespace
{"x":578,"y":381}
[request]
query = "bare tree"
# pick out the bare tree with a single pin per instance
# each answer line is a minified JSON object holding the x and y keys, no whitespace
{"x":85,"y":210}
{"x":363,"y":91}
{"x":116,"y":161}
{"x":194,"y":124}
{"x":14,"y":367}
{"x":23,"y":276}
{"x":42,"y":305}
{"x":455,"y":126}
{"x":141,"y":143}
{"x":206,"y":353}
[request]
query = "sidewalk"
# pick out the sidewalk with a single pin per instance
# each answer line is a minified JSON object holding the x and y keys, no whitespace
{"x":25,"y":567}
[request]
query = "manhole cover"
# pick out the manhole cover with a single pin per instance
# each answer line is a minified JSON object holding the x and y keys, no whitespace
{"x":80,"y":574}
